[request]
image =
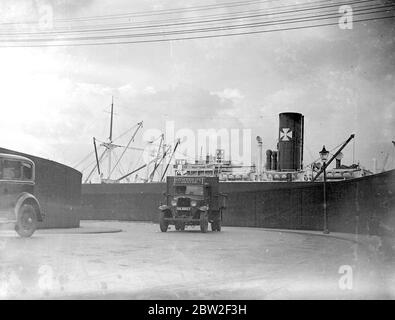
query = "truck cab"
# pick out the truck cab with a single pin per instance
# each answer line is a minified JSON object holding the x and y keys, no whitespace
{"x":192,"y":200}
{"x":18,"y":205}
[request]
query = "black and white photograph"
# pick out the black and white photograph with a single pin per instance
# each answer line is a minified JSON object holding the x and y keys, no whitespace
{"x":210,"y":151}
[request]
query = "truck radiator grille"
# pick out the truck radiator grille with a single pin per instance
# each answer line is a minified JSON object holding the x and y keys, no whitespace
{"x":183,"y":202}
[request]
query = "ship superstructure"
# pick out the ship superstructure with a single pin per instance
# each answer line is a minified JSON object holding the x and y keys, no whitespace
{"x":283,"y":164}
{"x":215,"y":166}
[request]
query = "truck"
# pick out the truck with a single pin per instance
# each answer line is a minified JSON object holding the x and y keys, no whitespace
{"x":18,"y":205}
{"x":192,"y":201}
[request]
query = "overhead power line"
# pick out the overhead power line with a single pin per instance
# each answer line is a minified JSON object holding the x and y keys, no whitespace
{"x":196,"y":19}
{"x":200,"y":30}
{"x":301,"y":17}
{"x":224,"y":18}
{"x":194,"y":37}
{"x":310,"y":18}
{"x":223,"y":5}
{"x":69,"y":27}
{"x":193,"y":18}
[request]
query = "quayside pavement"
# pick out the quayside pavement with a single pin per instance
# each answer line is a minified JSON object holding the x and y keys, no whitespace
{"x":134,"y":260}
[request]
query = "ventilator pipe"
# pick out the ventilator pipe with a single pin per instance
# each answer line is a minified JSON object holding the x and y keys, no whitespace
{"x":260,"y":157}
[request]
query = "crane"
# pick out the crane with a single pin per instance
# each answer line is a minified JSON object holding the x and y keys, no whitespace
{"x":333,"y":157}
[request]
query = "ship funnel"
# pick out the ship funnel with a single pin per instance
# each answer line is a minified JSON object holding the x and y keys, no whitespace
{"x":290,"y":141}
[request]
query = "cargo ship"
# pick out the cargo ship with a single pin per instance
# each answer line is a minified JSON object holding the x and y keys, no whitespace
{"x":284,"y":164}
{"x":280,"y":194}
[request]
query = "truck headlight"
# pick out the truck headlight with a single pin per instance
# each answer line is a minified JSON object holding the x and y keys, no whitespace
{"x":174,"y":202}
{"x":193,"y":203}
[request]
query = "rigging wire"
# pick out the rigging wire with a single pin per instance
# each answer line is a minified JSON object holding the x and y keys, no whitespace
{"x":92,"y":163}
{"x":125,"y":132}
{"x":134,"y":164}
{"x":83,"y":160}
{"x":118,"y":165}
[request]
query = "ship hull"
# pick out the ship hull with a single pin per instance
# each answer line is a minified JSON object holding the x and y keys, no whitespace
{"x":351,"y":204}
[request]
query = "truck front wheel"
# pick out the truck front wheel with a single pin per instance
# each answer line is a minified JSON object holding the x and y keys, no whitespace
{"x":216,"y":217}
{"x":203,"y":222}
{"x":219,"y":226}
{"x":162,"y":222}
{"x":27,"y":221}
{"x":216,"y":225}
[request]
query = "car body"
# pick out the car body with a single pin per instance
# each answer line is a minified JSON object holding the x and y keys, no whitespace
{"x":192,"y":200}
{"x":18,"y":205}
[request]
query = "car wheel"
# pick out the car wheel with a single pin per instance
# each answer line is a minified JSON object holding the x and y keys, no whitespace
{"x":27,"y":221}
{"x":162,"y":222}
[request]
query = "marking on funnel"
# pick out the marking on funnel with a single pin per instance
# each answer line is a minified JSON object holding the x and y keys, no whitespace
{"x":285,"y":134}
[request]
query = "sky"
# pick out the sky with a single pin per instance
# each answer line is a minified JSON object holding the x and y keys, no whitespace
{"x":55,"y":99}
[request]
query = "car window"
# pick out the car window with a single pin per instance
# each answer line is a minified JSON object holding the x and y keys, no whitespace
{"x":11,"y":169}
{"x":27,"y":171}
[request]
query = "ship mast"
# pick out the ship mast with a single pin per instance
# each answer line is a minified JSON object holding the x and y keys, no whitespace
{"x":109,"y":146}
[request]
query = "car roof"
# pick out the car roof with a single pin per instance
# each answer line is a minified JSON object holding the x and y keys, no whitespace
{"x":14,"y":157}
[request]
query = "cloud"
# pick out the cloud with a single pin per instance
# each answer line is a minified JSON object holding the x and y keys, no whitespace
{"x":150,"y":90}
{"x":228,"y":94}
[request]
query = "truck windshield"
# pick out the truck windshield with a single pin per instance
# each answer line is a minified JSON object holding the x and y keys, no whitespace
{"x":190,"y":190}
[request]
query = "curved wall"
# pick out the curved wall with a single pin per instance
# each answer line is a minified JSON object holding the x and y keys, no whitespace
{"x":58,"y":189}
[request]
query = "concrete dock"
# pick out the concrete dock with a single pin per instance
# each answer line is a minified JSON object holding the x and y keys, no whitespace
{"x":134,"y":260}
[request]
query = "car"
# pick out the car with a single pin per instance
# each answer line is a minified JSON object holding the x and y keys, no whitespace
{"x":192,"y":200}
{"x":18,"y":205}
